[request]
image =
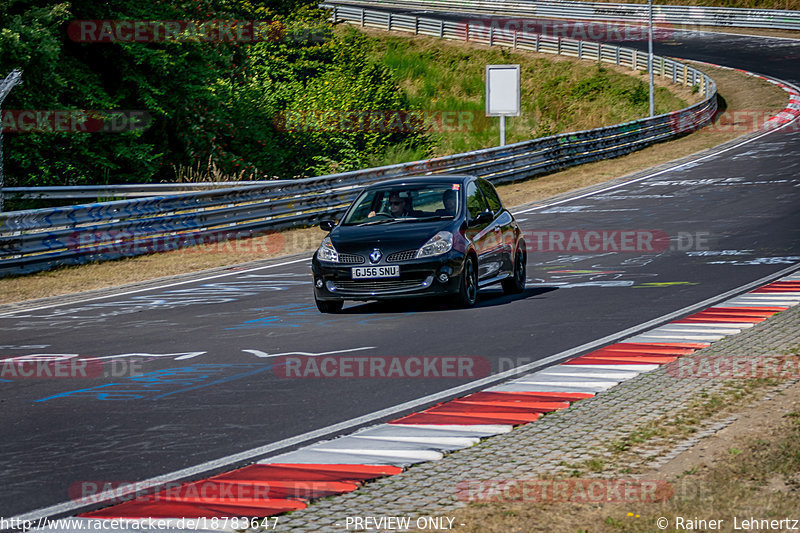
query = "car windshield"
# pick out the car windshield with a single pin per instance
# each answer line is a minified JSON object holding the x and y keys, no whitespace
{"x":401,"y":203}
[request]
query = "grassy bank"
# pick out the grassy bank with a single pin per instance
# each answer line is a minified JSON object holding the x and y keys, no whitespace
{"x":558,"y":94}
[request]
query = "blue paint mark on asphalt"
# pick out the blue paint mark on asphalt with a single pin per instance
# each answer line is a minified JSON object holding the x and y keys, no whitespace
{"x":156,"y":385}
{"x":295,"y":315}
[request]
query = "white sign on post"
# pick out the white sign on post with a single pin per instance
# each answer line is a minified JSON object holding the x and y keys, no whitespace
{"x":502,"y":94}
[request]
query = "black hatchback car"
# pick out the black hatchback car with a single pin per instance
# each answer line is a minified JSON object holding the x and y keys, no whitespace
{"x":440,"y":235}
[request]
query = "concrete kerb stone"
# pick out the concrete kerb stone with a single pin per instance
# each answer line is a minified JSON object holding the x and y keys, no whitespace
{"x":551,"y":446}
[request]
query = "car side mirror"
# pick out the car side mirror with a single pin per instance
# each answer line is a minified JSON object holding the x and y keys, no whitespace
{"x":483,"y":218}
{"x":327,"y":225}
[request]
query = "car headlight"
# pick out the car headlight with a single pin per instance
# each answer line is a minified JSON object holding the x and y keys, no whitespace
{"x":327,"y":252}
{"x":439,"y":244}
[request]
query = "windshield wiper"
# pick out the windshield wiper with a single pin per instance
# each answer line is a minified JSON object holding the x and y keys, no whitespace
{"x":405,"y":219}
{"x":423,"y":219}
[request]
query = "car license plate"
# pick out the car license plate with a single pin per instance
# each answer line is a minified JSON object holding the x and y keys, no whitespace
{"x":376,"y":272}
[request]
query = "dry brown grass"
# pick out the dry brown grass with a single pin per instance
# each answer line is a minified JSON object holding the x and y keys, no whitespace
{"x":741,"y":92}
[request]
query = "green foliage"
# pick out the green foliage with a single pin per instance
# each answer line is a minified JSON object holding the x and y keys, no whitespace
{"x":353,"y":83}
{"x":217,"y":100}
{"x":225,"y":104}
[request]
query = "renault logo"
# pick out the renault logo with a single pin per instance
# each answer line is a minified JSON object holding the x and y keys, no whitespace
{"x":375,"y":256}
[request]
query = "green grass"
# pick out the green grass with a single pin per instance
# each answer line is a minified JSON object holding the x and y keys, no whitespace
{"x":557,"y":95}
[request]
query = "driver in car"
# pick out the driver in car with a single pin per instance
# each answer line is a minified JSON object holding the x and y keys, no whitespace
{"x":399,"y":206}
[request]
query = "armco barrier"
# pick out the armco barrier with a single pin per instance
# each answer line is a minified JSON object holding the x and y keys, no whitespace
{"x":133,"y":190}
{"x":39,"y":239}
{"x":604,"y":11}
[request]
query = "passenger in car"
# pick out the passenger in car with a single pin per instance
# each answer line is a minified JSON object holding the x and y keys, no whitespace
{"x":450,"y":201}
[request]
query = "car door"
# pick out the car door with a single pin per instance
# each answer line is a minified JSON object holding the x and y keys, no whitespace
{"x":480,"y":232}
{"x":502,"y":229}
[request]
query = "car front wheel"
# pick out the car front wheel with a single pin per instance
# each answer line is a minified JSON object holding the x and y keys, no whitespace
{"x":468,"y":290}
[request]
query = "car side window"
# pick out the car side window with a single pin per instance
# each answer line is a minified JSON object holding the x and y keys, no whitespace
{"x":475,"y":202}
{"x":491,"y":196}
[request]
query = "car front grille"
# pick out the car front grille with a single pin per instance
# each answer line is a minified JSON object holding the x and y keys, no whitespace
{"x":377,"y":286}
{"x":398,"y":257}
{"x":351,"y":259}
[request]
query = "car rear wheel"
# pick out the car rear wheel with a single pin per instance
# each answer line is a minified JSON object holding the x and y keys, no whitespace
{"x":516,"y":283}
{"x":328,"y":306}
{"x":468,"y":290}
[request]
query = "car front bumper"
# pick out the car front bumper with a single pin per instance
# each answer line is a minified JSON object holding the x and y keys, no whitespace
{"x":418,"y":277}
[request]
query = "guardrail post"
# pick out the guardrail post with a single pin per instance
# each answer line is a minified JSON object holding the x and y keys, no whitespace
{"x":580,"y":49}
{"x":389,"y":22}
{"x":515,"y":38}
{"x":616,"y":54}
{"x":634,"y":59}
{"x":416,"y":25}
{"x":558,"y":48}
{"x":363,"y":17}
{"x":13,"y":79}
{"x":441,"y":29}
{"x":491,"y":35}
{"x":685,"y":74}
{"x":537,"y":42}
{"x":466,"y":33}
{"x":599,"y":52}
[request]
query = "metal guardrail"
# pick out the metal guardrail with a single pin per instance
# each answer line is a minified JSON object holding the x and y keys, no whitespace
{"x":38,"y":239}
{"x":603,"y":11}
{"x":133,"y":190}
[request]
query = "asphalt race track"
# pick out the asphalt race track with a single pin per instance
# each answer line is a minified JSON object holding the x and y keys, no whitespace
{"x":189,"y":373}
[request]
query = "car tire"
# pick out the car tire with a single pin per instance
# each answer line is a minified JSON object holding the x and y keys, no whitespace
{"x":468,"y":288}
{"x":329,"y":306}
{"x":516,"y":283}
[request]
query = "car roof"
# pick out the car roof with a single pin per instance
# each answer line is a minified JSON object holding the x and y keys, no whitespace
{"x":432,"y":178}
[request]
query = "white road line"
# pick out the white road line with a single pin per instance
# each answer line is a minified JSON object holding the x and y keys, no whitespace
{"x":259,"y":353}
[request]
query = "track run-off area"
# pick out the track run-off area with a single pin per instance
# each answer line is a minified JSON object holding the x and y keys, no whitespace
{"x":192,"y":378}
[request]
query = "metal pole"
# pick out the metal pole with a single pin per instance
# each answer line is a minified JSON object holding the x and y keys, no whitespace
{"x":13,"y":79}
{"x":650,"y":57}
{"x":502,"y":130}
